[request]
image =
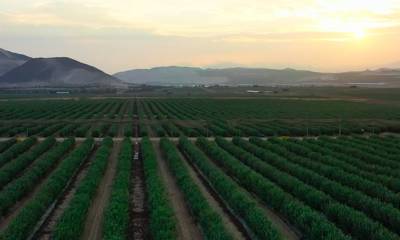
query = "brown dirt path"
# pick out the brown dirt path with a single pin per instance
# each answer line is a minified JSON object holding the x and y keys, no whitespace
{"x":120,"y":132}
{"x":45,"y":230}
{"x":138,"y":229}
{"x":94,"y":218}
{"x":215,"y":204}
{"x":187,"y":228}
{"x":16,"y":209}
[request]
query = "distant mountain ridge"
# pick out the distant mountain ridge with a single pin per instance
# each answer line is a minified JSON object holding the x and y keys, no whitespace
{"x":55,"y":72}
{"x":10,"y":60}
{"x":20,"y":71}
{"x":258,"y":76}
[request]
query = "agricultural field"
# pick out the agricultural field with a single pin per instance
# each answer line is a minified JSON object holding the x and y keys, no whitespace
{"x":225,"y":188}
{"x":199,"y":168}
{"x":195,"y":117}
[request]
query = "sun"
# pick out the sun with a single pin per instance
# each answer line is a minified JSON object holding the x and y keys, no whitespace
{"x":359,"y":34}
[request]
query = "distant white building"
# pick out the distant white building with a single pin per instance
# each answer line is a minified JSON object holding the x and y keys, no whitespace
{"x":253,"y":91}
{"x":62,"y":92}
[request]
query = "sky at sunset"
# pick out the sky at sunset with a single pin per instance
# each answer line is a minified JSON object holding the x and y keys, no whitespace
{"x":334,"y":35}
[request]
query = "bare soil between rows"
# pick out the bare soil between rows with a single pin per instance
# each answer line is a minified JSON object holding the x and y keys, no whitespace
{"x":187,"y":228}
{"x":278,"y":221}
{"x":46,"y":229}
{"x":232,"y":224}
{"x":94,"y":219}
{"x":139,"y":217}
{"x":16,"y":209}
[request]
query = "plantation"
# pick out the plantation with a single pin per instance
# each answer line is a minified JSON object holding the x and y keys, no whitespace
{"x":195,"y":117}
{"x":199,"y":168}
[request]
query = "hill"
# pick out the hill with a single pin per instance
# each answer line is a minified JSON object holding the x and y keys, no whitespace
{"x":10,"y":60}
{"x":258,"y":76}
{"x":57,"y":72}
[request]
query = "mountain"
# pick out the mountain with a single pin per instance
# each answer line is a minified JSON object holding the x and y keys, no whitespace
{"x":175,"y":76}
{"x":169,"y":76}
{"x":10,"y":60}
{"x":391,"y":65}
{"x":225,"y":76}
{"x":57,"y":72}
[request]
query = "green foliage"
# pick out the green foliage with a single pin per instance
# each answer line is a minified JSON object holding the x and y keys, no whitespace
{"x":162,"y":220}
{"x":385,"y":213}
{"x":82,"y":130}
{"x":6,"y":144}
{"x":241,"y":202}
{"x":72,"y":222}
{"x":52,"y":129}
{"x":299,"y":154}
{"x":351,"y":164}
{"x":21,"y":186}
{"x":68,"y":130}
{"x":12,"y":168}
{"x":23,"y":224}
{"x":349,"y":220}
{"x":15,"y":150}
{"x":113,"y":130}
{"x":210,"y":222}
{"x":116,"y":215}
{"x":128,"y":130}
{"x":100,"y":130}
{"x":364,"y":152}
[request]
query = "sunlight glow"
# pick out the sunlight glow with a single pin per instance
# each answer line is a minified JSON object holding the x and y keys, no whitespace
{"x":359,"y":34}
{"x":297,"y":33}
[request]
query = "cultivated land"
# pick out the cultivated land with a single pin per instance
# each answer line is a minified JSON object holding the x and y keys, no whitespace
{"x":294,"y":166}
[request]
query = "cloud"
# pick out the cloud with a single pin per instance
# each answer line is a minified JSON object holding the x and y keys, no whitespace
{"x":120,"y":34}
{"x":205,"y":18}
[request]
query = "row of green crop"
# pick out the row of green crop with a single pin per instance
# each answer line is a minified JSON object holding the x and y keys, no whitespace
{"x":385,"y":174}
{"x":214,"y":127}
{"x":349,"y":220}
{"x":162,"y":222}
{"x":55,"y":109}
{"x":385,"y":213}
{"x":82,"y":130}
{"x":15,"y":129}
{"x":241,"y":202}
{"x":68,"y":130}
{"x":44,"y":130}
{"x":24,"y":223}
{"x":128,"y":130}
{"x":210,"y":222}
{"x":374,"y":142}
{"x":374,"y":150}
{"x":116,"y":214}
{"x":21,"y":186}
{"x":6,"y":144}
{"x":261,"y":108}
{"x":312,"y":224}
{"x":309,"y":159}
{"x":72,"y":222}
{"x":346,"y":163}
{"x":113,"y":130}
{"x":12,"y":168}
{"x":364,"y":152}
{"x":100,"y":130}
{"x":143,"y":130}
{"x":15,"y":150}
{"x":199,"y":108}
{"x":386,"y":143}
{"x":367,"y":161}
{"x":50,"y":130}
